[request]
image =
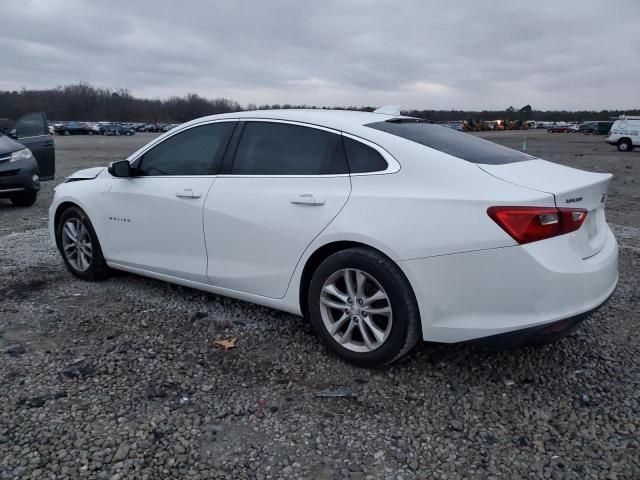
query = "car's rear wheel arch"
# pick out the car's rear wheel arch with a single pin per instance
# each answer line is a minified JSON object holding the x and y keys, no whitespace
{"x":321,"y":254}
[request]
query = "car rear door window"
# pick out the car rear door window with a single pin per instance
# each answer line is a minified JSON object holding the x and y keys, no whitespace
{"x":273,"y":148}
{"x":195,"y":151}
{"x":446,"y":140}
{"x":362,"y":158}
{"x":32,"y":125}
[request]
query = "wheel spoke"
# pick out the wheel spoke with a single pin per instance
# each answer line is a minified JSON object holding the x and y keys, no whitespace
{"x":333,"y":290}
{"x":333,"y":304}
{"x":379,"y":311}
{"x":365,"y":336}
{"x":70,"y":231}
{"x":348,"y":334}
{"x":379,"y":295}
{"x":360,"y":280}
{"x":69,"y":247}
{"x":351,"y":291}
{"x":377,"y":332}
{"x":338,"y":324}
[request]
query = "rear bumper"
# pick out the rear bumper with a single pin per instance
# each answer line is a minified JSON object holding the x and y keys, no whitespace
{"x":542,"y":334}
{"x":474,"y":295}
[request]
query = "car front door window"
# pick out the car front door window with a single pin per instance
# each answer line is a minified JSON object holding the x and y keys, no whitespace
{"x":195,"y":151}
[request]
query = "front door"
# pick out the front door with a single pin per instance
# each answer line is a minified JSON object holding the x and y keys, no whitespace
{"x":154,"y":219}
{"x":32,"y":131}
{"x":287,"y":182}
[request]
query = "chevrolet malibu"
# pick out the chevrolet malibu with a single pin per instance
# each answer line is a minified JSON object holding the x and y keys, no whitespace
{"x":380,"y":229}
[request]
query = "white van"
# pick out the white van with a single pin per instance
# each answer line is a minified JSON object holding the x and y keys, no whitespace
{"x":625,"y":133}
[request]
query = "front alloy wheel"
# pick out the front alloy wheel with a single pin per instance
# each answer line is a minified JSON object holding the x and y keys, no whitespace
{"x":76,"y":244}
{"x":79,"y":245}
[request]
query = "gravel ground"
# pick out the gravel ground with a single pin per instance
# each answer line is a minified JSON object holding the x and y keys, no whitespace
{"x":120,"y":379}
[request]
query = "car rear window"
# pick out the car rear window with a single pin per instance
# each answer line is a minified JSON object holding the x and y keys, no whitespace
{"x":446,"y":140}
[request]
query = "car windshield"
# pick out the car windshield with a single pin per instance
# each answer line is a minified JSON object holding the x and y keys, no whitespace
{"x":446,"y":140}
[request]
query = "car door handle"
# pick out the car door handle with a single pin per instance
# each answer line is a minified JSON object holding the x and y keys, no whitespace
{"x":188,"y":193}
{"x":47,"y":144}
{"x":308,"y":199}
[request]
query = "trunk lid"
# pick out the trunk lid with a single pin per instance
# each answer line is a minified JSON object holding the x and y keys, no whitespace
{"x":571,"y":188}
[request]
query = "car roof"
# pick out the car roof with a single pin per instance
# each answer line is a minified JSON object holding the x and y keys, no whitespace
{"x":343,"y":120}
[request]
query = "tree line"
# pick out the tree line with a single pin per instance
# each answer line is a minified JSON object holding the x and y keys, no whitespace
{"x":83,"y":102}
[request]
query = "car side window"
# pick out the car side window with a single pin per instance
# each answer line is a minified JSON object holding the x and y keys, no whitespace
{"x":272,"y":148}
{"x":31,"y":125}
{"x":192,"y":152}
{"x":362,"y":158}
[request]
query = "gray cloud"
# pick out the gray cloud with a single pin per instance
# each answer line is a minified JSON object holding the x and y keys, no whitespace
{"x":435,"y":54}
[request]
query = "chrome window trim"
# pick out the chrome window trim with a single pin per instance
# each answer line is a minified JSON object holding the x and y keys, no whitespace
{"x":392,"y":164}
{"x":178,"y":130}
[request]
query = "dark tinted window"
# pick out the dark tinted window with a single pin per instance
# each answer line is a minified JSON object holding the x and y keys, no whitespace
{"x":270,"y":148}
{"x":362,"y":158}
{"x":31,"y":125}
{"x":191,"y":152}
{"x":447,"y":140}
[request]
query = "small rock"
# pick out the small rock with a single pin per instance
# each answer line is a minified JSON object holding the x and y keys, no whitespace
{"x":456,"y":425}
{"x":121,"y":453}
{"x":16,"y":350}
{"x":79,"y":368}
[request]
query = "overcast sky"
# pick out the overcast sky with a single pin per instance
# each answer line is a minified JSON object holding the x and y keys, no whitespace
{"x":421,"y":54}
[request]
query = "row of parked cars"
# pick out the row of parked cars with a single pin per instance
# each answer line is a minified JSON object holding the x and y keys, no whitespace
{"x":588,"y":128}
{"x":106,"y":128}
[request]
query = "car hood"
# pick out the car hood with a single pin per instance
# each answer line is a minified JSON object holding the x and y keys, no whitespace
{"x":7,"y":145}
{"x":86,"y":174}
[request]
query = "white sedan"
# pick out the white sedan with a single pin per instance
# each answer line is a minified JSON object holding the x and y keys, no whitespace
{"x":380,"y":229}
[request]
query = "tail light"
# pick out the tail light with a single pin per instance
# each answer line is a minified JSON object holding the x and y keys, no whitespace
{"x":530,"y":224}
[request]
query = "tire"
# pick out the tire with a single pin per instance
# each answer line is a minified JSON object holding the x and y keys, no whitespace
{"x":625,"y":145}
{"x":128,"y":134}
{"x":67,"y":132}
{"x":90,"y":132}
{"x":398,"y":330}
{"x":25,"y":199}
{"x":96,"y":268}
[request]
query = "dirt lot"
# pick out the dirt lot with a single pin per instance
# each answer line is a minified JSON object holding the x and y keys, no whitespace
{"x":119,"y":379}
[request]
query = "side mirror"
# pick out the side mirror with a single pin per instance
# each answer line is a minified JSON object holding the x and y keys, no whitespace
{"x":121,"y":168}
{"x":13,"y":134}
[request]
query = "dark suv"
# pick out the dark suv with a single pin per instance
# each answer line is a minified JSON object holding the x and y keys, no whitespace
{"x":27,"y":156}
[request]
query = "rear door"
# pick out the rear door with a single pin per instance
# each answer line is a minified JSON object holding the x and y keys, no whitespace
{"x":32,"y":131}
{"x":281,"y":185}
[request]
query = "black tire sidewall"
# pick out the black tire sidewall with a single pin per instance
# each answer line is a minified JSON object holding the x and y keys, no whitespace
{"x":403,"y":304}
{"x":25,"y":199}
{"x":97,"y":266}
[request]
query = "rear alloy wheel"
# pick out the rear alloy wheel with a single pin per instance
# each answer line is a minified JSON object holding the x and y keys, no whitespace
{"x":625,"y":145}
{"x":363,"y":308}
{"x":25,"y":199}
{"x":79,"y":245}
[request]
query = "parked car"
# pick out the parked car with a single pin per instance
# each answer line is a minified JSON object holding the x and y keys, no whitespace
{"x":169,"y":126}
{"x":559,"y":129}
{"x":599,"y":128}
{"x":380,"y":229}
{"x":150,"y":127}
{"x":27,"y":156}
{"x":71,"y":128}
{"x":115,"y":129}
{"x":625,"y":134}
